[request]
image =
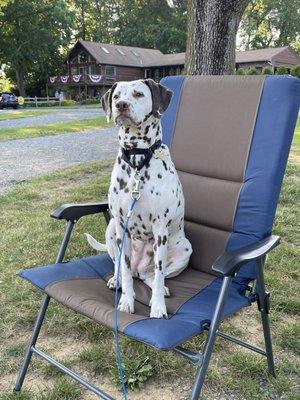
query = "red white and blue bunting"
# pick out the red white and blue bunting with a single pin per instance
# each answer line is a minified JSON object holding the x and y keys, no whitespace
{"x":95,"y":78}
{"x":76,"y":78}
{"x":52,"y":79}
{"x":64,"y":78}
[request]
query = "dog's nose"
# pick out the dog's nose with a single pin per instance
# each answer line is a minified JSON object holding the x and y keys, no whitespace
{"x":122,"y":105}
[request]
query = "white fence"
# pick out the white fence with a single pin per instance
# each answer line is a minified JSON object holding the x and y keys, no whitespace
{"x":36,"y":101}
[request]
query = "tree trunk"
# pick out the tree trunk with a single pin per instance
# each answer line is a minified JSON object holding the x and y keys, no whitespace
{"x":212,"y":29}
{"x":20,"y":82}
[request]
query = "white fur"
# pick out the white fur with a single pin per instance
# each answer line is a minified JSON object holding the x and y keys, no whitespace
{"x":156,"y":247}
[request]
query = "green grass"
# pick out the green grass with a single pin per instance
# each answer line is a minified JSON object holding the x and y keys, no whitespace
{"x":32,"y":238}
{"x":21,"y":114}
{"x":53,"y":129}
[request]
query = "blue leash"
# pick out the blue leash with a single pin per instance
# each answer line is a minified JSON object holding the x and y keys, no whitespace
{"x":135,"y":194}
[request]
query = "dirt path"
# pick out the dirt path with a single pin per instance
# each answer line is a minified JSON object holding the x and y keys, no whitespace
{"x":25,"y":158}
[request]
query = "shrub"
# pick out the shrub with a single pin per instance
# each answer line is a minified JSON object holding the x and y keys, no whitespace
{"x":267,"y":71}
{"x":252,"y":71}
{"x":90,"y":101}
{"x":281,"y":70}
{"x":68,"y":103}
{"x":295,"y":71}
{"x":240,"y":71}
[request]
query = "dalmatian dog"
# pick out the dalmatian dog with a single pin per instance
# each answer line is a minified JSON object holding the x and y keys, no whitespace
{"x":155,"y":245}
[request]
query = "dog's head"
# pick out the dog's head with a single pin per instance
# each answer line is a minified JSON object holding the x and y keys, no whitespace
{"x":131,"y":103}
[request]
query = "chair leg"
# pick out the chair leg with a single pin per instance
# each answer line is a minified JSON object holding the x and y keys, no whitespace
{"x":42,"y":312}
{"x":263,"y":305}
{"x":212,"y":333}
{"x":34,"y":337}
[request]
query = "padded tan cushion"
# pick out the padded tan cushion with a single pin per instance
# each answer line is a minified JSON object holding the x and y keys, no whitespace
{"x":210,"y":148}
{"x":91,"y":297}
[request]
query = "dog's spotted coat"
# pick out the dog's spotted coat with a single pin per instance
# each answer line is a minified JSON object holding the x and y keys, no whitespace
{"x":155,"y":247}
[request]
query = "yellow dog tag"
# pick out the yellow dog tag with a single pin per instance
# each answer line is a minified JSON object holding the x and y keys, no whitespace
{"x":159,"y":153}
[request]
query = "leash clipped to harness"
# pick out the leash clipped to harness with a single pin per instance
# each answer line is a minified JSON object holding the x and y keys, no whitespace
{"x":135,"y":195}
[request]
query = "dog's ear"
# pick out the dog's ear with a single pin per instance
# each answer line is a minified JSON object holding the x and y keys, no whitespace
{"x":161,"y":97}
{"x":106,"y":101}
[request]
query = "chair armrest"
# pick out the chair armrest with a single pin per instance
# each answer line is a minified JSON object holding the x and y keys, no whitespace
{"x":229,"y":263}
{"x":72,"y":212}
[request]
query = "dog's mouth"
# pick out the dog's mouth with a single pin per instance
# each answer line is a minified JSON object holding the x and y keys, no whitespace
{"x":124,"y":119}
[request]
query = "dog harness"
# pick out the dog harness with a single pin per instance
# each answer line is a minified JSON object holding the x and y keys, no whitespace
{"x":126,"y":153}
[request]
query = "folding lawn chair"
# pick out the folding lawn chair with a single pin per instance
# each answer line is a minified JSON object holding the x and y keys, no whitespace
{"x":229,"y":137}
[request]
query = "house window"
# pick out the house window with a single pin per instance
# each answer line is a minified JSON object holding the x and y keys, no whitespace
{"x":83,"y":71}
{"x":147,"y":73}
{"x":92,"y":69}
{"x":110,"y":70}
{"x":82,"y":57}
{"x":74,"y":71}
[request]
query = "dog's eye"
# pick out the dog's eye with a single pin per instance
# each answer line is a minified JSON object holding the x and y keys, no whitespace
{"x":116,"y":96}
{"x":138,"y":94}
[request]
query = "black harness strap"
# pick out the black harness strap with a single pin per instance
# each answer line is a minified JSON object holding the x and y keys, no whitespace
{"x":126,"y":153}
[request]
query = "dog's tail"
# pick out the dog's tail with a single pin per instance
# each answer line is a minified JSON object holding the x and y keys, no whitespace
{"x":95,"y":245}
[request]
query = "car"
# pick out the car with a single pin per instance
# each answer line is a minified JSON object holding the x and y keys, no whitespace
{"x":8,"y":100}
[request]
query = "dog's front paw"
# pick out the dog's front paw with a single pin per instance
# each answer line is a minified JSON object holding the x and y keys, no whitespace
{"x":158,"y":310}
{"x":126,"y":304}
{"x":112,"y":283}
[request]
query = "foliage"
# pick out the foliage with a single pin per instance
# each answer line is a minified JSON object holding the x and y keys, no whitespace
{"x":32,"y":34}
{"x":281,"y":70}
{"x":5,"y":83}
{"x":240,"y":71}
{"x":138,"y":23}
{"x":295,"y":71}
{"x":270,"y":23}
{"x":252,"y":71}
{"x":137,"y":371}
{"x":67,"y":103}
{"x":267,"y":71}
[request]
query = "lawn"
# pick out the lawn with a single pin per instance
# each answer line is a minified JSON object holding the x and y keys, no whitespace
{"x":30,"y":238}
{"x":4,"y":116}
{"x":53,"y":129}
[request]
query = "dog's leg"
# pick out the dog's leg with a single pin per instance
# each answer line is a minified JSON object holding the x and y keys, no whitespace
{"x":178,"y":256}
{"x":126,"y":302}
{"x":113,"y":251}
{"x":158,"y":305}
{"x":149,"y":282}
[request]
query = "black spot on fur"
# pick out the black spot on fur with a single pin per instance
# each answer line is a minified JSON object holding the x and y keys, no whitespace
{"x":118,"y":241}
{"x":127,"y":261}
{"x":158,"y":240}
{"x":159,"y":176}
{"x":147,"y":116}
{"x":139,"y":217}
{"x":165,"y":165}
{"x":132,"y":137}
{"x":186,"y":249}
{"x":126,"y":130}
{"x":150,"y":253}
{"x":122,"y":183}
{"x":150,"y":217}
{"x":160,"y":265}
{"x":126,"y":190}
{"x":121,"y":211}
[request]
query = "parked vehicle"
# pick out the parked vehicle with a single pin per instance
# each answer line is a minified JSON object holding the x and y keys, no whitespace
{"x":8,"y":100}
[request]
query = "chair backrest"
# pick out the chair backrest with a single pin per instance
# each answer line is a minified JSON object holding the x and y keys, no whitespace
{"x":230,"y":138}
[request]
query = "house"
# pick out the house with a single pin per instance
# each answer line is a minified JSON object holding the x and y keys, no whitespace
{"x":94,"y":67}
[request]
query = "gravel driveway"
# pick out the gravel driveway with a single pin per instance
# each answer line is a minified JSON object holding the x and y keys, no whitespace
{"x":25,"y":158}
{"x":52,"y":117}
